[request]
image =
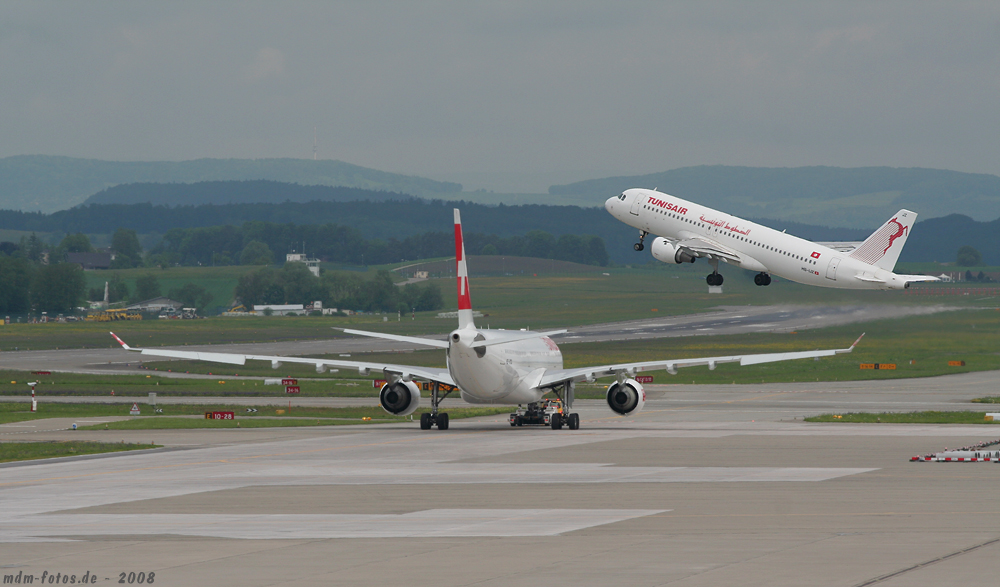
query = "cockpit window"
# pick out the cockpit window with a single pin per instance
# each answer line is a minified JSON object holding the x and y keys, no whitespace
{"x":622,"y":197}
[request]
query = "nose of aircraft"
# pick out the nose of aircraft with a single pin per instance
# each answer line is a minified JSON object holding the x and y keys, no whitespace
{"x":610,"y":203}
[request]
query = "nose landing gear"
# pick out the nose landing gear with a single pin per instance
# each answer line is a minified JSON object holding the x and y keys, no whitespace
{"x":762,"y":279}
{"x":642,"y":236}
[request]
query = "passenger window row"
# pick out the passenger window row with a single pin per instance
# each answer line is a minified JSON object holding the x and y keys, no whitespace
{"x":755,"y":243}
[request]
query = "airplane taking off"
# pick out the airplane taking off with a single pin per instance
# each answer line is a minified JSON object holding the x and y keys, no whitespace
{"x":504,"y":367}
{"x":688,"y":231}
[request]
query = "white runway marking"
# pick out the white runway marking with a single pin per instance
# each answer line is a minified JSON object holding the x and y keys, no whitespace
{"x":438,"y":522}
{"x":35,"y":501}
{"x":531,"y":473}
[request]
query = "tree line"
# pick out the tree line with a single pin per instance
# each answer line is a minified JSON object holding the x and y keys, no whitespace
{"x":255,"y":243}
{"x":295,"y":284}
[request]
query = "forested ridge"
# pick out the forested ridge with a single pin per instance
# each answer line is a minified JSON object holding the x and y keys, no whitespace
{"x":389,"y":223}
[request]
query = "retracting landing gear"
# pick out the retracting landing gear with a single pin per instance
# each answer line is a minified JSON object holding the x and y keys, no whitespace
{"x":642,"y":237}
{"x":714,"y":278}
{"x":762,"y":279}
{"x":434,"y":418}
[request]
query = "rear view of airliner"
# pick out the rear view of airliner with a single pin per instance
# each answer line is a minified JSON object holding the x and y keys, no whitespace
{"x":494,"y":367}
{"x":688,"y":231}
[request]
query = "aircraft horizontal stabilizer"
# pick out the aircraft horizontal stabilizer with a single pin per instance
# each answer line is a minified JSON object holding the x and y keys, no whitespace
{"x":441,"y":344}
{"x":916,"y":278}
{"x":506,"y":338}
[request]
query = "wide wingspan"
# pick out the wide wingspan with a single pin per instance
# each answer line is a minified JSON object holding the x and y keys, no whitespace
{"x":406,"y":372}
{"x":555,"y":377}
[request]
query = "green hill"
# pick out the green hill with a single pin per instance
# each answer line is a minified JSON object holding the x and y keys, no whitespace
{"x":46,"y":183}
{"x":862,"y":197}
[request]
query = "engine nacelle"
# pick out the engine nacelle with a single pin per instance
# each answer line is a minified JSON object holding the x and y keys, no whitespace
{"x":401,"y":398}
{"x":626,"y":398}
{"x":664,"y":251}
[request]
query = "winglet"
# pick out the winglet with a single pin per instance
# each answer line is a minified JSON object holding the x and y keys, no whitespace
{"x":121,"y":342}
{"x":856,"y":342}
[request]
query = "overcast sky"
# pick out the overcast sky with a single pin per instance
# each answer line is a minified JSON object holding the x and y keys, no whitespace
{"x":504,"y":93}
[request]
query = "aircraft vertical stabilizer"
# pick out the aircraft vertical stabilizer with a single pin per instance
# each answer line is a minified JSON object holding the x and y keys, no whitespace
{"x":882,"y":248}
{"x":462,"y":272}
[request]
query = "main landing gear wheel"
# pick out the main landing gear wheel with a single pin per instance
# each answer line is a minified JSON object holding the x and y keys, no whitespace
{"x":642,"y":237}
{"x":556,"y":421}
{"x":762,"y":279}
{"x":714,"y":279}
{"x":435,"y":418}
{"x":574,"y":421}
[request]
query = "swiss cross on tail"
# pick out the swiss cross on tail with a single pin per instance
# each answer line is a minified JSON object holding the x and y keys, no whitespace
{"x":462,"y":271}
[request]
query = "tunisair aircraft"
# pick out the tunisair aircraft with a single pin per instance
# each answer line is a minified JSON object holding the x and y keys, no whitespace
{"x":490,"y":366}
{"x":688,"y":231}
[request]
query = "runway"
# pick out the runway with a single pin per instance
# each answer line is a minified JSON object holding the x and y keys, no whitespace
{"x":719,"y":485}
{"x":726,"y":320}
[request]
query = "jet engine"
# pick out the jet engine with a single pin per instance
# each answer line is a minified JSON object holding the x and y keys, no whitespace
{"x":401,"y":398}
{"x":626,"y":398}
{"x":664,"y":251}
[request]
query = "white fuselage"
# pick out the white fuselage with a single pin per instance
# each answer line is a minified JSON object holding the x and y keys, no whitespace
{"x":760,"y":248}
{"x":502,"y":373}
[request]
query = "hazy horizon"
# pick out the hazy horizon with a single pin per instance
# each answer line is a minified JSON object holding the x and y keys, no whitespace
{"x":507,"y":97}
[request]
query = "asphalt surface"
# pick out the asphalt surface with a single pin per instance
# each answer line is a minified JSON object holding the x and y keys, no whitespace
{"x":714,"y":485}
{"x":727,"y":320}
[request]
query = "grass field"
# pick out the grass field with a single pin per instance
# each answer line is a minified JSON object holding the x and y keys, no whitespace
{"x":919,"y":346}
{"x":265,"y":416}
{"x":507,"y":302}
{"x":219,"y":281}
{"x":906,"y":418}
{"x":26,"y":451}
{"x":293,"y":417}
{"x":987,"y":400}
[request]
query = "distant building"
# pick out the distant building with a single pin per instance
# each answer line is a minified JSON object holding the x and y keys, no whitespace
{"x":91,"y":260}
{"x":312,"y":264}
{"x":156,"y":305}
{"x":279,"y":309}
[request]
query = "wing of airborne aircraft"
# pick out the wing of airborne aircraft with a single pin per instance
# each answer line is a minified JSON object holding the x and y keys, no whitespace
{"x":706,"y":247}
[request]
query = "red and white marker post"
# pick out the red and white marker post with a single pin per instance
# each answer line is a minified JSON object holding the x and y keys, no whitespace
{"x":34,"y":404}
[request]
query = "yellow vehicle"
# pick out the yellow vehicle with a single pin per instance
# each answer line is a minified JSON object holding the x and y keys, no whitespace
{"x":113,"y":315}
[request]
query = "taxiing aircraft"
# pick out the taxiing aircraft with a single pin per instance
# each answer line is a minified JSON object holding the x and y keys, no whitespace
{"x":688,"y":231}
{"x":485,"y":366}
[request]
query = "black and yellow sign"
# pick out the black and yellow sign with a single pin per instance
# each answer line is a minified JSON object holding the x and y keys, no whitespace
{"x":879,"y":366}
{"x":427,"y":386}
